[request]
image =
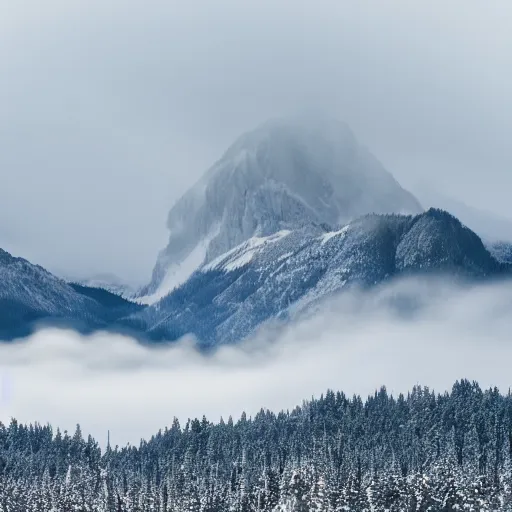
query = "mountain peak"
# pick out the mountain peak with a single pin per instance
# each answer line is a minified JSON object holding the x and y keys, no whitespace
{"x":283,"y":175}
{"x":309,"y":130}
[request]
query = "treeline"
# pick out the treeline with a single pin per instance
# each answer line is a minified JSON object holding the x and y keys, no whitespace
{"x":420,"y":452}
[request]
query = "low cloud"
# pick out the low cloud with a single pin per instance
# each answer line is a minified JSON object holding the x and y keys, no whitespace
{"x":355,"y":343}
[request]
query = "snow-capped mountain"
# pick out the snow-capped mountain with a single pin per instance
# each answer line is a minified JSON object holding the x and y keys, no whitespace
{"x":109,"y":282}
{"x":293,"y":213}
{"x":284,"y":175}
{"x":283,"y":274}
{"x":276,"y":276}
{"x":29,"y":293}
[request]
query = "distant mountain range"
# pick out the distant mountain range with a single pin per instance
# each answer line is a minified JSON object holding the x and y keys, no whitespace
{"x":108,"y":282}
{"x":294,"y":212}
{"x":283,"y":275}
{"x":490,"y":227}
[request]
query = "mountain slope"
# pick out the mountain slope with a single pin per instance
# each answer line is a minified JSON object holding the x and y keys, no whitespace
{"x":284,"y":175}
{"x":286,"y":273}
{"x":29,"y":293}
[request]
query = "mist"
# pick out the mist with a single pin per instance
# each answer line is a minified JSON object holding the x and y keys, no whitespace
{"x":355,"y":343}
{"x":110,"y":110}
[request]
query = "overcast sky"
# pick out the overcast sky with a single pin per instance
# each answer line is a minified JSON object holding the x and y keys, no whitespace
{"x":109,"y":109}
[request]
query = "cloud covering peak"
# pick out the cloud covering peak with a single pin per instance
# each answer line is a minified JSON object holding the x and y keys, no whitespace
{"x":285,"y":174}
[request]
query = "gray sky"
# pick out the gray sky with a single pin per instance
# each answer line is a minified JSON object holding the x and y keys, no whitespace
{"x":110,"y":109}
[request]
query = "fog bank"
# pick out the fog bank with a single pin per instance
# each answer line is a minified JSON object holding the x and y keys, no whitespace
{"x":110,"y":382}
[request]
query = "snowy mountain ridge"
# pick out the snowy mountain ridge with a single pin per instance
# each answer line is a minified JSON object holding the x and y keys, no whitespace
{"x":244,"y":253}
{"x":269,"y":278}
{"x":30,"y":294}
{"x":284,"y":275}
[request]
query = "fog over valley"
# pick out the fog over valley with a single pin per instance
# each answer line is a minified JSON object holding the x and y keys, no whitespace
{"x":355,"y":343}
